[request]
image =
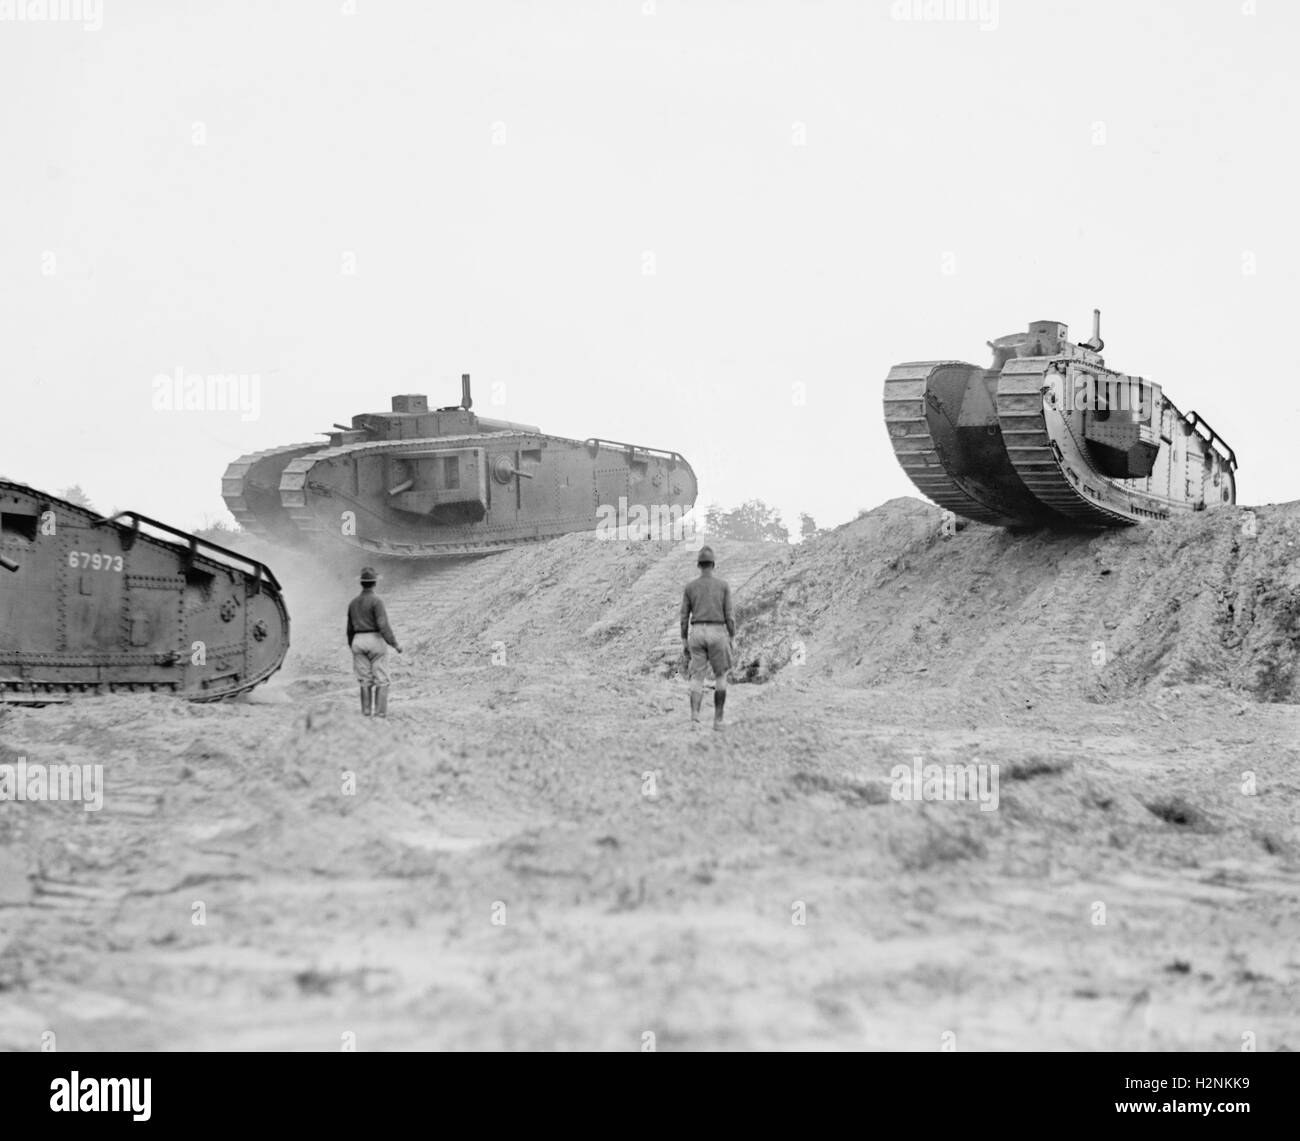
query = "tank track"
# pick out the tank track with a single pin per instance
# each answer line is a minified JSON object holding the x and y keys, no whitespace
{"x":233,"y":489}
{"x":15,"y":692}
{"x":50,"y":693}
{"x":918,"y":453}
{"x":295,"y":486}
{"x":1036,"y":457}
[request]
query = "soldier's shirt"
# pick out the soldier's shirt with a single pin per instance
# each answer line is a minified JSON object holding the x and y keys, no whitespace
{"x":707,"y":599}
{"x":366,"y":615}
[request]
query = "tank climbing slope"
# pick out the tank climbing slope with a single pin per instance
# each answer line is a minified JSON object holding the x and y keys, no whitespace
{"x":1049,"y":436}
{"x":437,"y":483}
{"x":128,"y":604}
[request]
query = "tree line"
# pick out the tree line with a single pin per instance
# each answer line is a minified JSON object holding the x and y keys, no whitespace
{"x":754,"y":521}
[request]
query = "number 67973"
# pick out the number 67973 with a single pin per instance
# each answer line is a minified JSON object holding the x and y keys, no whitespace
{"x":85,"y":560}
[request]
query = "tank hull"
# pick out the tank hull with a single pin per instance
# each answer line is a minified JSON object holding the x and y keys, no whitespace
{"x":1052,"y":439}
{"x":509,"y":489}
{"x":437,"y":483}
{"x":92,"y":605}
{"x":1046,"y":438}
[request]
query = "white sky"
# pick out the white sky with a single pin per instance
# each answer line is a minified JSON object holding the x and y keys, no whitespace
{"x":500,"y":170}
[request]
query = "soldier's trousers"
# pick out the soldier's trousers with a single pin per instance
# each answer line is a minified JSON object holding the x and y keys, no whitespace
{"x":368,"y":653}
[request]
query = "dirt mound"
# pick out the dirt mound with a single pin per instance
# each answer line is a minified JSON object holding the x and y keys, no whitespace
{"x":888,"y":599}
{"x":1205,"y":599}
{"x":956,"y":617}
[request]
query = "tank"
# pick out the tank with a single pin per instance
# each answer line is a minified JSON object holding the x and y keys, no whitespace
{"x":421,"y":483}
{"x":1047,"y":435}
{"x":127,"y":605}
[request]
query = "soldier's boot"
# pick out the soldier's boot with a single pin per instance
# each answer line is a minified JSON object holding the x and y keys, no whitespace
{"x":719,"y":701}
{"x":366,"y":704}
{"x":381,"y":701}
{"x":697,"y":700}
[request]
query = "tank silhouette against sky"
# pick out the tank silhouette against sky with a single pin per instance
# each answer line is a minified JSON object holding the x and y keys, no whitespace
{"x":418,"y":482}
{"x":1047,"y":435}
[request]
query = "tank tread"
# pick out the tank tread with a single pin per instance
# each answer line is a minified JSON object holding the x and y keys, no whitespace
{"x":917,"y":452}
{"x":52,"y":693}
{"x":1030,"y":447}
{"x":232,"y":484}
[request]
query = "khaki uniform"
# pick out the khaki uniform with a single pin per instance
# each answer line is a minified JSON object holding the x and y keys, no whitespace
{"x":368,"y":654}
{"x":710,"y":647}
{"x":708,"y":623}
{"x":369,"y":636}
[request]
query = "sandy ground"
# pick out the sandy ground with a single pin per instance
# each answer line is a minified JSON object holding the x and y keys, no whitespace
{"x":537,"y":852}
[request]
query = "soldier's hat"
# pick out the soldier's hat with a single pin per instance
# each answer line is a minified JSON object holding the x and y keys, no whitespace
{"x":368,"y":575}
{"x":705,"y":557}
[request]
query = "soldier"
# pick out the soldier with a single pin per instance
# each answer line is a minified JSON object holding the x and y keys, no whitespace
{"x":369,"y":636}
{"x":708,"y":627}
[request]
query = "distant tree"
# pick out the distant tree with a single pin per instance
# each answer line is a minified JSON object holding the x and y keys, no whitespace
{"x":807,"y":525}
{"x":712,"y":513}
{"x":752,"y":521}
{"x":74,"y":494}
{"x":218,"y":531}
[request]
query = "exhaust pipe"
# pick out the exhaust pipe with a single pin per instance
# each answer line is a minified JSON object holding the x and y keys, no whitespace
{"x":466,"y":400}
{"x":1096,"y":344}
